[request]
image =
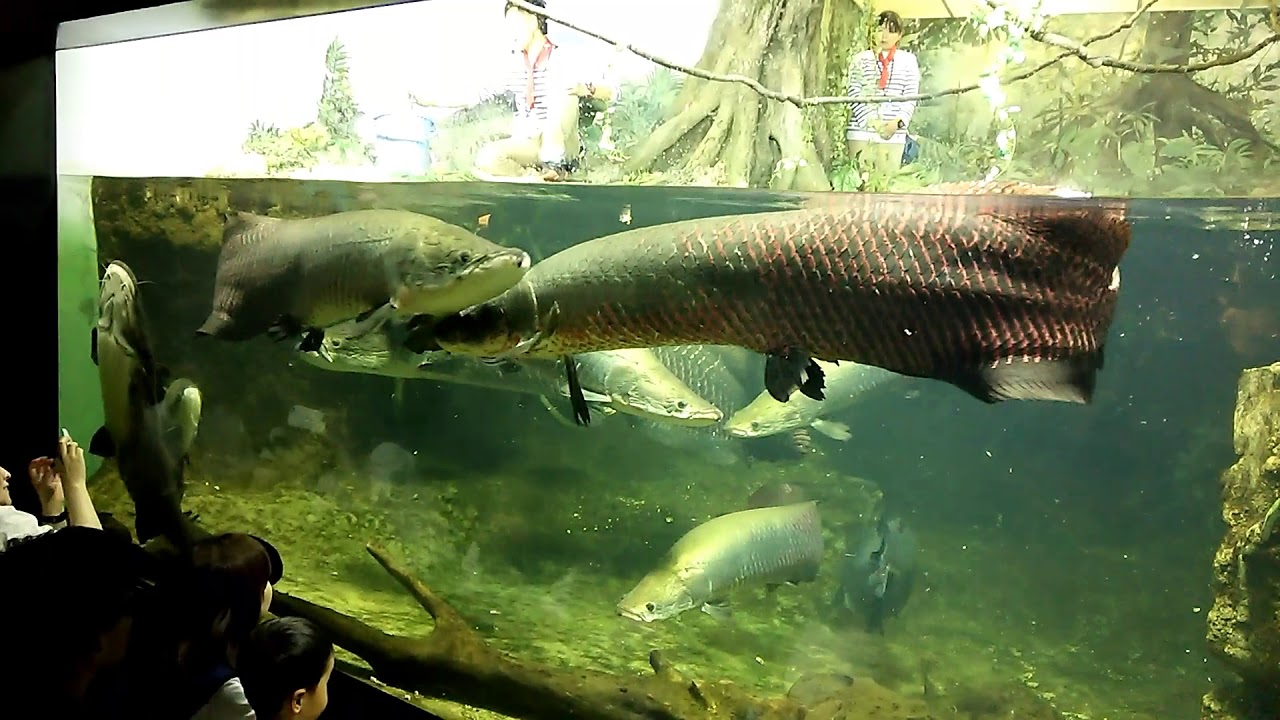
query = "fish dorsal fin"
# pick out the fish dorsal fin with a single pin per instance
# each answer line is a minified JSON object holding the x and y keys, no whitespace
{"x":239,"y":224}
{"x":102,"y":444}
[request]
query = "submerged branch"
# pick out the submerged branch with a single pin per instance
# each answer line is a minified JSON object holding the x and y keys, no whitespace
{"x":1070,"y":47}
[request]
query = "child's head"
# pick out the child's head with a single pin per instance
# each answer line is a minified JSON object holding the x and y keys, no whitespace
{"x":285,"y":668}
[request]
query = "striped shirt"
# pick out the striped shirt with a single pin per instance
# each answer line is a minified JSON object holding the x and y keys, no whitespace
{"x":556,"y":75}
{"x":864,"y":79}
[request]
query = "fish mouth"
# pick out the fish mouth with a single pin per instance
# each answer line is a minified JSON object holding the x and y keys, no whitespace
{"x":507,"y":257}
{"x":683,"y":417}
{"x":630,"y":614}
{"x":116,"y":296}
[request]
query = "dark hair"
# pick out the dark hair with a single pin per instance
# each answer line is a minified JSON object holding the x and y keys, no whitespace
{"x":890,"y":20}
{"x":281,"y":656}
{"x":220,"y":594}
{"x":542,"y":21}
{"x":62,"y":591}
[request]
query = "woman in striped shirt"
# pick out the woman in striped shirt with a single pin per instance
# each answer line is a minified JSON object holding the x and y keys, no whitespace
{"x":548,"y":83}
{"x":877,"y":132}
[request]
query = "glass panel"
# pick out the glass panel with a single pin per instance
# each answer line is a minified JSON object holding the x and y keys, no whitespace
{"x":354,"y":234}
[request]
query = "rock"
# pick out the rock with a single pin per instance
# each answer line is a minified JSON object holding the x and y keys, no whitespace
{"x":1243,"y":627}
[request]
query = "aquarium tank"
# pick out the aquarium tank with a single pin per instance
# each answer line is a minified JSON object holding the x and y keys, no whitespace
{"x":701,"y":358}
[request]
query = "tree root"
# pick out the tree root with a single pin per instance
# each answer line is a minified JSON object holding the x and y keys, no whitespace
{"x":757,"y":141}
{"x":454,"y":663}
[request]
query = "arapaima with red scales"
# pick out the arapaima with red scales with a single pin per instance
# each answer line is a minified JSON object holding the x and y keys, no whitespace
{"x":1001,"y":292}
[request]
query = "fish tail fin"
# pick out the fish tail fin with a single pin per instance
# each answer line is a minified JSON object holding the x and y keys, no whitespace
{"x":215,"y":325}
{"x":1072,"y":251}
{"x":1090,"y":237}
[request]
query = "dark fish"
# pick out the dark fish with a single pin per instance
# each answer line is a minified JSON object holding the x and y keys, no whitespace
{"x":1004,"y":295}
{"x":878,"y":572}
{"x":297,"y":277}
{"x":768,"y":546}
{"x":149,"y":423}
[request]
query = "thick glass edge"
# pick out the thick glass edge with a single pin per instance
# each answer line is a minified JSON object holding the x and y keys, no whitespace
{"x":194,"y":16}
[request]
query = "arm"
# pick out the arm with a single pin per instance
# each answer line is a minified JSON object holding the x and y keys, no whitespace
{"x":911,"y":86}
{"x":80,"y":510}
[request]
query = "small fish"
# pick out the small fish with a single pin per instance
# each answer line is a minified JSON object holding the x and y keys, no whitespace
{"x":878,"y":572}
{"x":149,"y":423}
{"x":295,"y":278}
{"x":768,"y":547}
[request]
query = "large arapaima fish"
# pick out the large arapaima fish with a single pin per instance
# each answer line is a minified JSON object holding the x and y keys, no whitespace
{"x":1004,"y":290}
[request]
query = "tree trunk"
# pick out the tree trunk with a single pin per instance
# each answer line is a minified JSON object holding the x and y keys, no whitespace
{"x":1178,"y":102}
{"x":799,"y":47}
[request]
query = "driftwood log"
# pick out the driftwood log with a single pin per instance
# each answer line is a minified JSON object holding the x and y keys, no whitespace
{"x":454,"y":663}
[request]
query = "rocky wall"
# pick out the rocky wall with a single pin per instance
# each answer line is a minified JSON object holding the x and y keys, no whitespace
{"x":1244,"y":623}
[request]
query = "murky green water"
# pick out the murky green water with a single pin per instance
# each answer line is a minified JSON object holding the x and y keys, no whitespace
{"x":1065,"y":550}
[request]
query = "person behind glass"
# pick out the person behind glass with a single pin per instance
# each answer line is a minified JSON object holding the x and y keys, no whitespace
{"x":285,"y":667}
{"x":549,"y":83}
{"x":877,"y":132}
{"x":203,"y":615}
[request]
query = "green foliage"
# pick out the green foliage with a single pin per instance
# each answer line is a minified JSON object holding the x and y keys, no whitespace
{"x":640,"y":108}
{"x":332,"y":137}
{"x":1075,"y":128}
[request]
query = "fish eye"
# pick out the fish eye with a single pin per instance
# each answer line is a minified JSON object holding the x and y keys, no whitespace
{"x":464,"y":257}
{"x":681,"y":404}
{"x":755,"y":424}
{"x":650,"y":607}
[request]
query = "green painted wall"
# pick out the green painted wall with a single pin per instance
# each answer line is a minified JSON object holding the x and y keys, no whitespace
{"x":79,"y":394}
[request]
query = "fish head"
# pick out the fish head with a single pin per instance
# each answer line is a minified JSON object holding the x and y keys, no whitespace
{"x":639,"y":384}
{"x":765,"y":416}
{"x":443,"y":269}
{"x":118,"y":307}
{"x":658,"y":596}
{"x":489,"y":329}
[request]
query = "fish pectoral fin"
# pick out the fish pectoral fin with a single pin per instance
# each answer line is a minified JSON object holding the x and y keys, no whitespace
{"x":285,"y":327}
{"x":420,"y":334}
{"x":313,"y":341}
{"x":718,"y":609}
{"x":1070,"y":380}
{"x":581,"y":411}
{"x":790,"y":369}
{"x":373,"y":319}
{"x":93,"y":345}
{"x":102,"y":444}
{"x":834,"y":430}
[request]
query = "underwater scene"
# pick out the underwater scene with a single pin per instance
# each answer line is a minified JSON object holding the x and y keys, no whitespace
{"x":789,"y":359}
{"x":969,"y":560}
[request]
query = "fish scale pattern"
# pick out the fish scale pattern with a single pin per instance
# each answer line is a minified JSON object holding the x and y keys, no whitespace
{"x":923,"y":285}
